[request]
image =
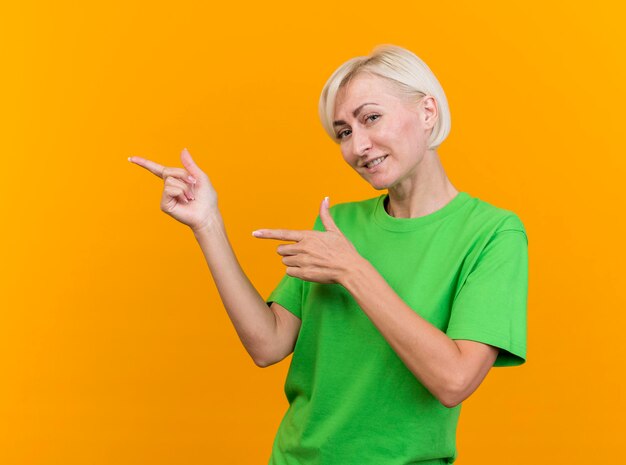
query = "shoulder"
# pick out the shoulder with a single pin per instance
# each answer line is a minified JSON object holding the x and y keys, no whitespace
{"x":345,"y":208}
{"x":493,"y":218}
{"x":351,"y":213}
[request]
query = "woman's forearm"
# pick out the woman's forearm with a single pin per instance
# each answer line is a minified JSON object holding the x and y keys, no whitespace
{"x":429,"y":353}
{"x":253,"y":320}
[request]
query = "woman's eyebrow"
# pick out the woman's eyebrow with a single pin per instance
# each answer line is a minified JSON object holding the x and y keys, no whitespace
{"x":355,"y":113}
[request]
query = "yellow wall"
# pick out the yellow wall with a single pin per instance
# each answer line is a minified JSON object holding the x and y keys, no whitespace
{"x":114,"y":346}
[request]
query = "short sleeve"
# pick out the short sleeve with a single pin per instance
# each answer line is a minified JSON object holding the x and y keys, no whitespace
{"x":490,"y":307}
{"x":289,"y":292}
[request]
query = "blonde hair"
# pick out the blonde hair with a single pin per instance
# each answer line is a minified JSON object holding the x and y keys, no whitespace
{"x":409,"y":74}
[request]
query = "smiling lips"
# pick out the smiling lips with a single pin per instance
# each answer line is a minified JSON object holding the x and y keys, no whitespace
{"x":375,"y":162}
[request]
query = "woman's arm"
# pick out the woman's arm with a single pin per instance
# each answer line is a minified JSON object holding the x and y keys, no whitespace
{"x":267,"y":337}
{"x":268,"y":334}
{"x":451,"y":370}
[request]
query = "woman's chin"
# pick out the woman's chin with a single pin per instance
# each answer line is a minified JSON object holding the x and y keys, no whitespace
{"x":377,"y":182}
{"x":378,"y":185}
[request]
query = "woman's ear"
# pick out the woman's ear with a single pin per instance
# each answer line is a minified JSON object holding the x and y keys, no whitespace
{"x":430,"y":111}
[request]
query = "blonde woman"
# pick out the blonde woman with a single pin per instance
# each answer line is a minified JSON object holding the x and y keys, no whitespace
{"x":395,"y":307}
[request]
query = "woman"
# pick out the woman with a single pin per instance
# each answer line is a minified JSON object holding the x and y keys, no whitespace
{"x":395,"y":307}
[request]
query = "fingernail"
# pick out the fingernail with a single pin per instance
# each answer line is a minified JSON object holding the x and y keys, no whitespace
{"x":185,"y":149}
{"x":128,"y":158}
{"x":192,"y":179}
{"x":326,"y":200}
{"x":257,"y":233}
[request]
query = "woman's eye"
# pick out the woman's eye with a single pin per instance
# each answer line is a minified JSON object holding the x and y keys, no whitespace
{"x":343,"y":134}
{"x":372,"y":117}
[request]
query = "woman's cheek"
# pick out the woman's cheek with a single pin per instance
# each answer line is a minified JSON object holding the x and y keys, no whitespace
{"x":348,"y":157}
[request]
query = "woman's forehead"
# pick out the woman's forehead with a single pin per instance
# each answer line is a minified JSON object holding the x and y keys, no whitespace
{"x":361,"y":89}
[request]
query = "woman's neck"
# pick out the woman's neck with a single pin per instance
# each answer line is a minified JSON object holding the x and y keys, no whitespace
{"x":427,"y":191}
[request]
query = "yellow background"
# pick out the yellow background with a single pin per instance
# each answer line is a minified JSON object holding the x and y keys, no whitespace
{"x":114,"y":345}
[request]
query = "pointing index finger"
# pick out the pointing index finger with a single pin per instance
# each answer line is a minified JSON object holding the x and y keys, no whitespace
{"x":280,"y":234}
{"x":150,"y":165}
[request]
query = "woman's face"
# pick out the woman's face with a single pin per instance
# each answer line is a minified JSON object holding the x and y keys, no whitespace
{"x":373,"y":121}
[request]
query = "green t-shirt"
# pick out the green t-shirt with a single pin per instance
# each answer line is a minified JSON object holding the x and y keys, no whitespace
{"x":464,"y":268}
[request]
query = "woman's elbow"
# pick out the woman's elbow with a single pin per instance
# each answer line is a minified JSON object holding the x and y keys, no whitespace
{"x":264,"y":362}
{"x":267,"y":360}
{"x":450,"y":402}
{"x":452,"y":393}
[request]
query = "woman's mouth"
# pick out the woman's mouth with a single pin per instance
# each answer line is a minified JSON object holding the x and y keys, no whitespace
{"x":372,"y":165}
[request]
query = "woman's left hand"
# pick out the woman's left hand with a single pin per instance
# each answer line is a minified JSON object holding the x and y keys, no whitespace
{"x":318,"y":256}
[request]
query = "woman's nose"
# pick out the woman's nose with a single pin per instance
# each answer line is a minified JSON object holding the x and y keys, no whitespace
{"x":361,"y":142}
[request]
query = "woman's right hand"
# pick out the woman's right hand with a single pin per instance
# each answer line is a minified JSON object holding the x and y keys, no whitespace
{"x":192,"y":201}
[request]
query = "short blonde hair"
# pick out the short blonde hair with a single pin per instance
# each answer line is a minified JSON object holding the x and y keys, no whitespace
{"x":409,"y":74}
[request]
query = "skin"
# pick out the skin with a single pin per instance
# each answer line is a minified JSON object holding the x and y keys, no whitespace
{"x":266,"y":333}
{"x":188,"y":195}
{"x":399,"y":128}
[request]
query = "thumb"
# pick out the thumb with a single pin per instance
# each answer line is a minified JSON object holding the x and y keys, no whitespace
{"x":327,"y":220}
{"x":189,"y":164}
